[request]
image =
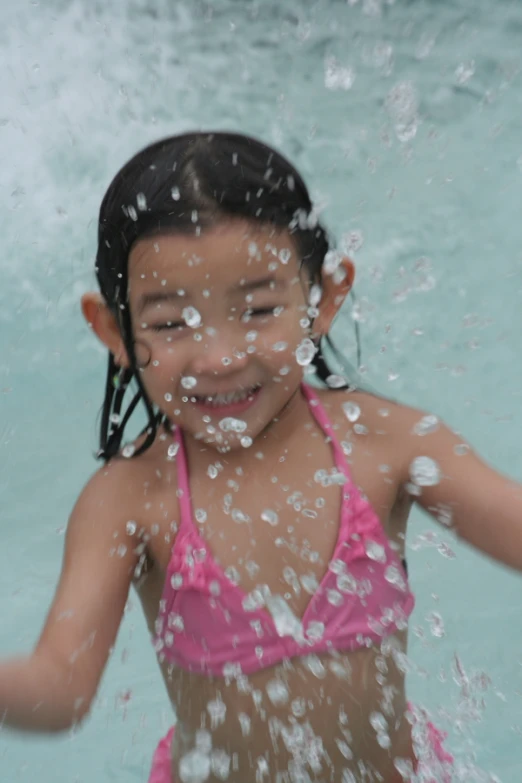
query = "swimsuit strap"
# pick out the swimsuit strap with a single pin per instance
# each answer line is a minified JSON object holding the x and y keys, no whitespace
{"x":183,"y":491}
{"x":321,"y":416}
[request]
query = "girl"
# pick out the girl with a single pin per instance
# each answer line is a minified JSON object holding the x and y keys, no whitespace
{"x":262,"y":520}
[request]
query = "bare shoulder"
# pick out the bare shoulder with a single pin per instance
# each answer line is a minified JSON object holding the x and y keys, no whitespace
{"x":387,"y":429}
{"x":374,"y":414}
{"x":120,"y":493}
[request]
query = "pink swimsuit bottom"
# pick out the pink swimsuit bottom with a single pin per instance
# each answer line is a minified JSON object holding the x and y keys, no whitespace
{"x":208,"y":624}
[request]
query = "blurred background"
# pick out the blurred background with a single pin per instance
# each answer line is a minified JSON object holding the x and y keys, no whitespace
{"x":405,"y":118}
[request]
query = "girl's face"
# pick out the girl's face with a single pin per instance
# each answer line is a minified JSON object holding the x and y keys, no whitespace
{"x":217,"y":320}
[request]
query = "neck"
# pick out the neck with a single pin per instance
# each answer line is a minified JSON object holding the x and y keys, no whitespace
{"x":276,"y":436}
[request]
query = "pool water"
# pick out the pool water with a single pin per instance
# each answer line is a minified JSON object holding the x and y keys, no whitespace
{"x":406,"y":120}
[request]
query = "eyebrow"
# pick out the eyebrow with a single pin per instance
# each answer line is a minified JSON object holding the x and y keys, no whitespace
{"x":263,"y":282}
{"x":245,"y":286}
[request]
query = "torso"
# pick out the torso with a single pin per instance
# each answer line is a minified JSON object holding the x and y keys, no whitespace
{"x":333,"y":703}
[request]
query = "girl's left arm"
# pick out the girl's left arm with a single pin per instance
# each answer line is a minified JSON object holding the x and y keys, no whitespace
{"x":483,"y":506}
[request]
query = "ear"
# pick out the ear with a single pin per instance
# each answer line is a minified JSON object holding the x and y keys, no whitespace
{"x":335,"y":288}
{"x":103,"y":323}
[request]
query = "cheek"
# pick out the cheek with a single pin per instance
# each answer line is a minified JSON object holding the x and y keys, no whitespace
{"x":162,"y":361}
{"x":278,"y":344}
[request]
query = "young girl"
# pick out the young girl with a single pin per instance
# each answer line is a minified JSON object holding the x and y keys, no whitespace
{"x":261,"y":519}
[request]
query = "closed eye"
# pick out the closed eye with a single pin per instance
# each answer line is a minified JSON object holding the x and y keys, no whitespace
{"x":168,"y":325}
{"x":259,"y":312}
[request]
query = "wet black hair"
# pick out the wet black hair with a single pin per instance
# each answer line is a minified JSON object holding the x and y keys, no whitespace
{"x":179,"y":184}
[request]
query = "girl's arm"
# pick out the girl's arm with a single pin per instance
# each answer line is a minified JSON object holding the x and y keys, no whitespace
{"x":482,"y":505}
{"x":52,"y":688}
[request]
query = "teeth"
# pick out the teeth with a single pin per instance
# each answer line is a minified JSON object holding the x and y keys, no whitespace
{"x":227,"y":399}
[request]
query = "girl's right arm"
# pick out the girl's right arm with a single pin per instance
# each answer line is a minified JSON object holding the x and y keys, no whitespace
{"x":54,"y":687}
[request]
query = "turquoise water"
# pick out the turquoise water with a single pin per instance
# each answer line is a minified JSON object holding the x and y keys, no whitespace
{"x":406,"y":119}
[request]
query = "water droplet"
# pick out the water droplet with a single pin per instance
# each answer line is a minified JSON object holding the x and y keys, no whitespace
{"x":314,"y":664}
{"x":351,"y":410}
{"x":315,"y":631}
{"x":395,"y":577}
{"x":131,"y":527}
{"x":230,"y":424}
{"x":309,"y":583}
{"x":337,"y":77}
{"x":253,"y":601}
{"x":239,"y":516}
{"x":378,"y":722}
{"x":285,"y":621}
{"x":464,"y":72}
{"x":246,"y":441}
{"x":336,"y":381}
{"x":346,"y":583}
{"x":285,"y":255}
{"x":346,"y":447}
{"x":212,"y":471}
{"x":315,"y":295}
{"x":252,"y":568}
{"x":279,"y":346}
{"x":175,"y":194}
{"x":191,"y":317}
{"x":172,"y":450}
{"x":334,"y":597}
{"x":245,"y":723}
{"x":332,"y":261}
{"x":141,"y":202}
{"x":217,"y":710}
{"x":402,"y":106}
{"x":194,"y":767}
{"x":337,"y":566}
{"x":426,"y":425}
{"x":425,"y":472}
{"x":352,"y":242}
{"x":232,"y":575}
{"x":128,"y":451}
{"x":305,"y":352}
{"x":298,"y":707}
{"x":201,"y":515}
{"x":176,"y":581}
{"x":203,"y":741}
{"x":251,"y":336}
{"x":461,"y":449}
{"x":220,"y":763}
{"x":277,"y":692}
{"x":375,"y":551}
{"x":436,"y":625}
{"x":188,"y":382}
{"x":270,"y":516}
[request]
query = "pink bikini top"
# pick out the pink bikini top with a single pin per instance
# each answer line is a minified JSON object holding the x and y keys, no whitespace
{"x":208,"y":624}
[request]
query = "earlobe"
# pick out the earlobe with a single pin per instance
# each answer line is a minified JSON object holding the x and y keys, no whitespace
{"x":103,"y":323}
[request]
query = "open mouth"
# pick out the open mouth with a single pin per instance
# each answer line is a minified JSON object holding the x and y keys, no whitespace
{"x":234,"y":401}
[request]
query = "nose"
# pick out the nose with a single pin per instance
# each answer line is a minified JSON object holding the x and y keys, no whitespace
{"x":219,"y":352}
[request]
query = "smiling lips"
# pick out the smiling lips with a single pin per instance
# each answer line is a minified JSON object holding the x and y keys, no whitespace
{"x":229,"y":403}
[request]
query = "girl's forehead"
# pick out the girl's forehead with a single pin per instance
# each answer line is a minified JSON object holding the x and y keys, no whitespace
{"x":219,"y":252}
